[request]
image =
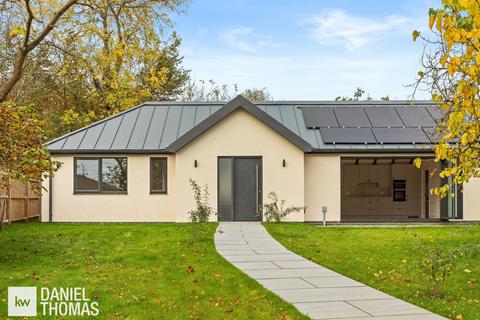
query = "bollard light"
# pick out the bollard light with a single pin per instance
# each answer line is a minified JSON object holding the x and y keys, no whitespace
{"x":324,"y":210}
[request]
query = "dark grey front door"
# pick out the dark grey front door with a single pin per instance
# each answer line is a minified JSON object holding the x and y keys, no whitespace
{"x":239,"y":188}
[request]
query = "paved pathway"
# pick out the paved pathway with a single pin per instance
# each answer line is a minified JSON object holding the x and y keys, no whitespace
{"x":314,"y":290}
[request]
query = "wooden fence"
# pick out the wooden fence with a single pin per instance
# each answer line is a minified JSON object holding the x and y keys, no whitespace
{"x":19,"y":202}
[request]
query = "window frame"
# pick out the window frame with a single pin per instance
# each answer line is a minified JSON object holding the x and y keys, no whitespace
{"x":152,"y":191}
{"x":100,"y":176}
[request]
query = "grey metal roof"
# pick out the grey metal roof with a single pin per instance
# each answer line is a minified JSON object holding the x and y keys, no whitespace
{"x":165,"y":127}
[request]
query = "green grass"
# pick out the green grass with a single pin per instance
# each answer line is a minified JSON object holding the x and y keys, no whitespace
{"x":169,"y":271}
{"x":389,"y":259}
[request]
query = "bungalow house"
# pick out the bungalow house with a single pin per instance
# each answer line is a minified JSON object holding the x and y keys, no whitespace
{"x":352,"y":159}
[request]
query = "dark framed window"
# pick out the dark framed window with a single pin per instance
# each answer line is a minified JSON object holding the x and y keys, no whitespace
{"x":158,"y":175}
{"x":100,"y":175}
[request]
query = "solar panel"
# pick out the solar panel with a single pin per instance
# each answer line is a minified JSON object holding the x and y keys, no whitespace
{"x":319,"y":117}
{"x":432,"y":134}
{"x":400,"y":135}
{"x":415,"y":116}
{"x":382,"y":117}
{"x":352,"y":117}
{"x":435,"y":112}
{"x":347,"y":135}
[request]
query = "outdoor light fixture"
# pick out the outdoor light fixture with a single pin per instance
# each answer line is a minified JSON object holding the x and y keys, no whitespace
{"x":195,"y":164}
{"x":284,"y":163}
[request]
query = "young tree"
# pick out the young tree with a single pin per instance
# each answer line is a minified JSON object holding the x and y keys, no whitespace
{"x":451,"y":71}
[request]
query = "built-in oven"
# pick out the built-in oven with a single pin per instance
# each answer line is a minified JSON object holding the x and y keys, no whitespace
{"x":399,"y":190}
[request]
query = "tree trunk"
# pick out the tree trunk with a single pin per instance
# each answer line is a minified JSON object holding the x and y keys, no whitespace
{"x":29,"y":46}
{"x":17,"y":73}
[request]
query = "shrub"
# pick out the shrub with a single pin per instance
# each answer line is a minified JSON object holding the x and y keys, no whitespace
{"x":275,"y":210}
{"x":202,"y":210}
{"x":438,"y":264}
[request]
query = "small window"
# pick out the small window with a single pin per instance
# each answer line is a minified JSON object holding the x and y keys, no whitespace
{"x":114,"y":174}
{"x":100,"y":175}
{"x":87,"y":175}
{"x":158,"y":175}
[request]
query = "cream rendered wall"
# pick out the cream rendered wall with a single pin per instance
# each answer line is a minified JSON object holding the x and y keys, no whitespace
{"x":240,"y":134}
{"x":136,"y":206}
{"x":322,"y":186}
{"x":471,"y":196}
{"x":45,"y":203}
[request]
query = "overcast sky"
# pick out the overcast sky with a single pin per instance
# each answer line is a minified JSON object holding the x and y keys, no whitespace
{"x":306,"y":50}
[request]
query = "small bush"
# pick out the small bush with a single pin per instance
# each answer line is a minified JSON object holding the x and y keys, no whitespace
{"x":202,"y":210}
{"x":275,"y":210}
{"x":438,"y":264}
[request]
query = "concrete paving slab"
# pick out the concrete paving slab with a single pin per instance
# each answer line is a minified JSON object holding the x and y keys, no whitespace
{"x":260,"y":257}
{"x":329,"y":310}
{"x":291,"y":273}
{"x":239,"y":252}
{"x":387,"y":307}
{"x":331,"y":294}
{"x":295,"y":264}
{"x":333,"y":282}
{"x":273,"y":251}
{"x":290,"y":283}
{"x":246,"y":246}
{"x":255,"y":265}
{"x":237,"y":242}
{"x":429,"y":316}
{"x":315,"y":290}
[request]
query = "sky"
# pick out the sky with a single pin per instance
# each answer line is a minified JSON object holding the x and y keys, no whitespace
{"x":306,"y":49}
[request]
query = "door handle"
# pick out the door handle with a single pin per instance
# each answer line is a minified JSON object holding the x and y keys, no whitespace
{"x":256,"y":186}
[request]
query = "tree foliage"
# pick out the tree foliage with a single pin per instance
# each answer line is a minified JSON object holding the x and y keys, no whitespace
{"x":358,"y":95}
{"x":22,"y":156}
{"x":26,"y":24}
{"x":101,"y":57}
{"x":451,"y":71}
{"x":209,"y":90}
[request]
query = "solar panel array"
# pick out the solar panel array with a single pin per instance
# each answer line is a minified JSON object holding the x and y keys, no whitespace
{"x":374,"y":124}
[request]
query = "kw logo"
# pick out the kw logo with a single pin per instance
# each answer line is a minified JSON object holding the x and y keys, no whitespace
{"x":22,"y":301}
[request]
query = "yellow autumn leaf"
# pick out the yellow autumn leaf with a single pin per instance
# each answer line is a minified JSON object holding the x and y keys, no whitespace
{"x":431,"y":21}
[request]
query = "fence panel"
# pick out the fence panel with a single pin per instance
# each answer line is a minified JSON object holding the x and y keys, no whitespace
{"x":19,"y":202}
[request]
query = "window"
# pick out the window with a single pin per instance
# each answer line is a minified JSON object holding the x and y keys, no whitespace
{"x":100,"y":175}
{"x":158,"y":175}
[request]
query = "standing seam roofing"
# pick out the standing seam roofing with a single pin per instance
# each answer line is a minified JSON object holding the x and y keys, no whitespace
{"x":154,"y":126}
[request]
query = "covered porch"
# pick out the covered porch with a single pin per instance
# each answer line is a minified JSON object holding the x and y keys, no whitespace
{"x":390,"y":189}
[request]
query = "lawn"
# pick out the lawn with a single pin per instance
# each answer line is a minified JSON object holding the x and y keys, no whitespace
{"x":163,"y":271}
{"x":396,"y":260}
